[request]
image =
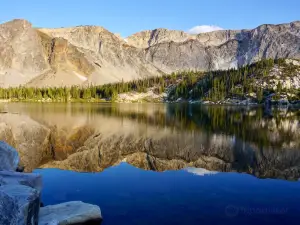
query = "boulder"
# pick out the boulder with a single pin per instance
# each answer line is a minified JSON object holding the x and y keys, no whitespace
{"x":70,"y":213}
{"x":32,"y":180}
{"x":19,"y":205}
{"x":29,"y":137}
{"x":9,"y":158}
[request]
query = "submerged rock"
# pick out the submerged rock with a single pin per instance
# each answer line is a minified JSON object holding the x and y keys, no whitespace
{"x":9,"y":158}
{"x":70,"y":213}
{"x":19,"y":205}
{"x":32,"y":180}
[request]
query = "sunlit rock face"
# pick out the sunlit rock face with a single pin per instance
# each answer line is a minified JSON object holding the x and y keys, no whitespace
{"x":90,"y":138}
{"x":84,"y":55}
{"x":29,"y":137}
{"x":20,"y":62}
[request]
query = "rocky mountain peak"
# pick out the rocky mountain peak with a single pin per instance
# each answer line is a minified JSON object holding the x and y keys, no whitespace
{"x":145,"y":39}
{"x":18,"y":23}
{"x":21,"y":53}
{"x":92,"y":54}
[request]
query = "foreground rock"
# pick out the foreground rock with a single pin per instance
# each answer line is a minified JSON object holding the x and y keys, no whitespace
{"x":28,"y":179}
{"x":9,"y":158}
{"x":20,"y":198}
{"x":70,"y":213}
{"x":19,"y":205}
{"x":29,"y":137}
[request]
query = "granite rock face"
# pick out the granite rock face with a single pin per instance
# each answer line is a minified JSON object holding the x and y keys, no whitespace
{"x":9,"y":158}
{"x":21,"y":53}
{"x":20,"y":200}
{"x":70,"y":213}
{"x":30,"y":138}
{"x":149,"y":38}
{"x":19,"y":205}
{"x":226,"y":49}
{"x":32,"y":180}
{"x":89,"y":54}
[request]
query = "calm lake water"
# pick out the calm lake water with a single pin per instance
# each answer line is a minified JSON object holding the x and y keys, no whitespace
{"x":172,"y":163}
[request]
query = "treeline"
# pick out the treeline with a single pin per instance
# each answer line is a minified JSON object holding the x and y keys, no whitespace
{"x":221,"y":84}
{"x":107,"y":91}
{"x":213,"y":85}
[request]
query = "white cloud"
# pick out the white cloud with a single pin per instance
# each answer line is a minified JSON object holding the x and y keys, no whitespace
{"x":204,"y":29}
{"x":200,"y":171}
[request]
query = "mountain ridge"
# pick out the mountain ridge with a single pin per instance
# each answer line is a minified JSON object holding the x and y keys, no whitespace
{"x":195,"y":36}
{"x":84,"y":55}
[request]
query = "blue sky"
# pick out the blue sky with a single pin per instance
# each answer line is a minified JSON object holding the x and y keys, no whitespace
{"x":130,"y":16}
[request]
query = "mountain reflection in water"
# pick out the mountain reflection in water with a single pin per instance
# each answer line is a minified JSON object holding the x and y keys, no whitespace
{"x":203,"y":152}
{"x":92,"y":137}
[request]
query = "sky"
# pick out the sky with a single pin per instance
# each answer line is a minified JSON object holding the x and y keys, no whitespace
{"x":130,"y":16}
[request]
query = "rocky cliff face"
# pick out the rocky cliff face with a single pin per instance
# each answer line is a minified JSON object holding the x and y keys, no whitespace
{"x":99,"y":56}
{"x":67,"y":56}
{"x":90,"y":54}
{"x":21,"y":53}
{"x":149,"y":38}
{"x":222,"y":49}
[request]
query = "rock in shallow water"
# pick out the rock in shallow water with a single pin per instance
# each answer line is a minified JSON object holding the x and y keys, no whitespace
{"x":32,"y":180}
{"x":70,"y":213}
{"x":9,"y":158}
{"x":19,"y":205}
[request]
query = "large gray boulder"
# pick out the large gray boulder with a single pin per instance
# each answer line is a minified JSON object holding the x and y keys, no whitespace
{"x":19,"y":205}
{"x":32,"y":180}
{"x":70,"y":213}
{"x":30,"y":138}
{"x":9,"y":158}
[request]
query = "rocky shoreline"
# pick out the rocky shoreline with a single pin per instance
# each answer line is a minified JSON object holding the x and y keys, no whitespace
{"x":20,"y":198}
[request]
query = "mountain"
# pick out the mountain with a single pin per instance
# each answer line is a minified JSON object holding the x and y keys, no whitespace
{"x":89,"y":54}
{"x":222,"y":49}
{"x":66,"y":56}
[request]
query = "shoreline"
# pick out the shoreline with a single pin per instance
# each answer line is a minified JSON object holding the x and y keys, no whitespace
{"x":189,"y":102}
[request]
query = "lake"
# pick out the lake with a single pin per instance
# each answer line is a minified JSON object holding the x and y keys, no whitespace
{"x":164,"y":163}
